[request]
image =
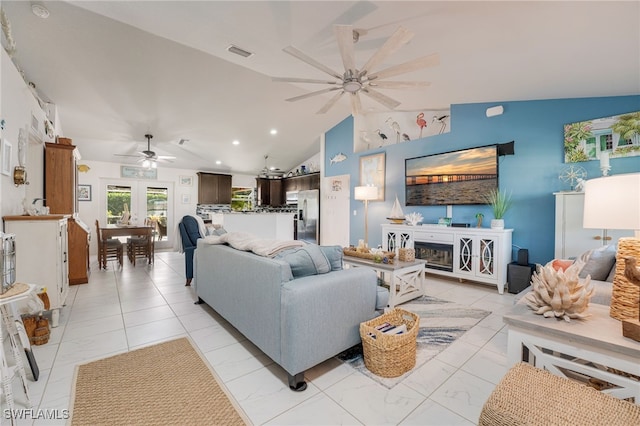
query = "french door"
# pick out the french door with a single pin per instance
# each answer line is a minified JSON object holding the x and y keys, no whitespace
{"x":141,"y":200}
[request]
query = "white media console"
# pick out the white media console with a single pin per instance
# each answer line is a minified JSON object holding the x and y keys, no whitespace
{"x":476,"y":254}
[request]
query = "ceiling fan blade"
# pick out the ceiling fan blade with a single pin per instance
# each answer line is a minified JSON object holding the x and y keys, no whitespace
{"x":344,"y":35}
{"x":126,"y":155}
{"x":416,"y":64}
{"x":395,"y":42}
{"x":331,"y":103}
{"x":309,"y":60}
{"x":383,"y":99}
{"x":308,"y":95}
{"x":398,"y":84}
{"x":302,"y":80}
{"x":165,"y":157}
{"x":356,"y":104}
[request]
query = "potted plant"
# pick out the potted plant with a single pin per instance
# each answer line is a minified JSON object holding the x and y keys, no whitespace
{"x":500,"y":202}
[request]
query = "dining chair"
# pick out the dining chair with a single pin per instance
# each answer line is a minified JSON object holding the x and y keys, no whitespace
{"x":108,"y":249}
{"x":142,"y":245}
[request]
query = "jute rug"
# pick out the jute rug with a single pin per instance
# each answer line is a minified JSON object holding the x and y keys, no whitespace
{"x":441,"y":323}
{"x":164,"y":384}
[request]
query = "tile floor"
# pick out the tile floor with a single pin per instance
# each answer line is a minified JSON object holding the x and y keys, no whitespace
{"x":121,"y":310}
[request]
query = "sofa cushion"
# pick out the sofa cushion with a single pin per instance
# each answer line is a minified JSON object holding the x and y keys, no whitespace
{"x":598,"y":263}
{"x":306,"y":260}
{"x":334,"y":255}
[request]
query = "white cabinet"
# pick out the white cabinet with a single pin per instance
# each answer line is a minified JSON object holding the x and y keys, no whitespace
{"x":571,"y":238}
{"x":476,"y":254}
{"x":42,"y":255}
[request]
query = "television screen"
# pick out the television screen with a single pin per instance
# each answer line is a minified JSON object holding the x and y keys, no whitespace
{"x":456,"y":177}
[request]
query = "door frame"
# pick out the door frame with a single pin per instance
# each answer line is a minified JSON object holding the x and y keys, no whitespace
{"x":138,"y":189}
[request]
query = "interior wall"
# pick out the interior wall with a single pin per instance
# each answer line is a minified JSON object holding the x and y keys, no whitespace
{"x":537,"y":127}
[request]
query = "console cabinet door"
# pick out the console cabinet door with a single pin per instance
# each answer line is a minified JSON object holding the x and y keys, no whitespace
{"x":475,"y":257}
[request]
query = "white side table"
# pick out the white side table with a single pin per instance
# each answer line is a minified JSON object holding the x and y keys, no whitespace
{"x":581,"y":349}
{"x":405,"y":279}
{"x":7,"y":373}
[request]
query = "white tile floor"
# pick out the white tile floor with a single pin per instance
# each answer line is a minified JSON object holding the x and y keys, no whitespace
{"x":121,"y":310}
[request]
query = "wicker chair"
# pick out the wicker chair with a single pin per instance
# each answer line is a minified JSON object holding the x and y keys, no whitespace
{"x":109,"y":249}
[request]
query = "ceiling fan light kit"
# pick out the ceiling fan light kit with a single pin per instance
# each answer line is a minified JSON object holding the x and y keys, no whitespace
{"x":149,"y":158}
{"x":355,"y":81}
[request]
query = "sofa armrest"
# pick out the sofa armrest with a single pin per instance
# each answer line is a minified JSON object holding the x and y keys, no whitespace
{"x":321,"y":315}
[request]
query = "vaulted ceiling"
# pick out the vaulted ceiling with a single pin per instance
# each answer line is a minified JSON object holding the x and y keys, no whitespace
{"x":117,"y":70}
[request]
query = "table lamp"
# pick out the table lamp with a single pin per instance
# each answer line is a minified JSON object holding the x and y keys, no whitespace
{"x":613,"y":202}
{"x":366,"y":194}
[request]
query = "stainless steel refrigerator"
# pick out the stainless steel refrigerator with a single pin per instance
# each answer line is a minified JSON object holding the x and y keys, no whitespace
{"x":309,"y":215}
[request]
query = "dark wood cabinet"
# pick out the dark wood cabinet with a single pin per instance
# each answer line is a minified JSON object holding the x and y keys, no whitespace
{"x":214,"y":188}
{"x":270,"y":192}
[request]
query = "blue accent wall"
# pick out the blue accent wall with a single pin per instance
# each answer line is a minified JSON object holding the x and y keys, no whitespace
{"x":532,"y":174}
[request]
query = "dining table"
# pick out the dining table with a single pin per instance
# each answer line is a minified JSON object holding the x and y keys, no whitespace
{"x":111,"y":231}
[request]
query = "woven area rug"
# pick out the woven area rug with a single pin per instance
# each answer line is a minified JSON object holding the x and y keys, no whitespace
{"x":441,"y":323}
{"x":164,"y":384}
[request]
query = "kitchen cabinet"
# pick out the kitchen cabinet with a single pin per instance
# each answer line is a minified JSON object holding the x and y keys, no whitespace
{"x":302,"y":182}
{"x":270,"y":192}
{"x":571,"y":239}
{"x":60,"y":183}
{"x":42,"y":254}
{"x":214,"y":188}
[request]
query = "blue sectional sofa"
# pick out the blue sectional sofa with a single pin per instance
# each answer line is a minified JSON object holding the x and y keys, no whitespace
{"x":297,"y":322}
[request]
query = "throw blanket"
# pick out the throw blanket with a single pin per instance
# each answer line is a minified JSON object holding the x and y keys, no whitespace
{"x":249,"y":242}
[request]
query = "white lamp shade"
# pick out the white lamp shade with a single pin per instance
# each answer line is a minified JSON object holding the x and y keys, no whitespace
{"x":367,"y":193}
{"x":612,"y":202}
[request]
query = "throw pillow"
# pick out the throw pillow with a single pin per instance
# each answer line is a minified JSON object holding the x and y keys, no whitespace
{"x":561,"y":264}
{"x":305,"y":260}
{"x":334,"y":255}
{"x":599,"y":264}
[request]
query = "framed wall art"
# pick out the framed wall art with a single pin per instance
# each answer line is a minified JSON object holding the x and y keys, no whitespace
{"x":6,"y":157}
{"x":186,"y":181}
{"x":84,"y":192}
{"x":372,"y":169}
{"x":138,"y":172}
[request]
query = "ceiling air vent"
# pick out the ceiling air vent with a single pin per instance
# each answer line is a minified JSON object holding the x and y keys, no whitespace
{"x":239,"y":51}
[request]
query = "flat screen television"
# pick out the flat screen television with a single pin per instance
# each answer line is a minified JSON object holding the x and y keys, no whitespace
{"x":451,"y":178}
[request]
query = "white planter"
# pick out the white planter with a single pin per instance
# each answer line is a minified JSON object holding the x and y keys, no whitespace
{"x":497,"y":223}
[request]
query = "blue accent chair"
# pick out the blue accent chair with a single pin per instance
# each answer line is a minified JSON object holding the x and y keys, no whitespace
{"x":190,"y":233}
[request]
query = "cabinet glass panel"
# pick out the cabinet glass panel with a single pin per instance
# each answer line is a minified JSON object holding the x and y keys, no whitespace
{"x":487,"y":255}
{"x":465,"y":263}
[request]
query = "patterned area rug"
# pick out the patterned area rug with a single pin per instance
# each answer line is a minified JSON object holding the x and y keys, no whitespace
{"x":441,"y":323}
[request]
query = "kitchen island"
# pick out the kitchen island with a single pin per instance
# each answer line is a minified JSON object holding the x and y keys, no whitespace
{"x":277,"y":226}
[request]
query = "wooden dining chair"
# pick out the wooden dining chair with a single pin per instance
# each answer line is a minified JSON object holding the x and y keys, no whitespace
{"x":142,"y":245}
{"x":108,"y":249}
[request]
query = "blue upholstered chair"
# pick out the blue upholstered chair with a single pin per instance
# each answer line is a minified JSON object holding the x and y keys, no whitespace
{"x":189,"y":232}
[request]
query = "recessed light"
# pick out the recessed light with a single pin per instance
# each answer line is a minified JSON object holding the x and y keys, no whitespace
{"x":236,"y":142}
{"x":273,"y":132}
{"x":40,"y":11}
{"x":218,"y":162}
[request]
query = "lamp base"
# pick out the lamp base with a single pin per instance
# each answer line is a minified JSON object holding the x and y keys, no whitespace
{"x":631,"y":329}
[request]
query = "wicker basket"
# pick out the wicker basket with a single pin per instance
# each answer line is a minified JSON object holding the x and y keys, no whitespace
{"x":624,"y":294}
{"x":37,"y":328}
{"x":406,"y":254}
{"x":389,"y":355}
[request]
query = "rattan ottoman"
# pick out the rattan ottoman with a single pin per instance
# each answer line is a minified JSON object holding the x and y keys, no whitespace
{"x":527,"y":395}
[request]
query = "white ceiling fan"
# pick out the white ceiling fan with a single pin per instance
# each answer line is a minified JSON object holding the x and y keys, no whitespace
{"x":367,"y":79}
{"x":270,"y":171}
{"x":149,"y":158}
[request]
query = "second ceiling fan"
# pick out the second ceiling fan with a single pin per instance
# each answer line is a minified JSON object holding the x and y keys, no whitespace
{"x":366,"y":79}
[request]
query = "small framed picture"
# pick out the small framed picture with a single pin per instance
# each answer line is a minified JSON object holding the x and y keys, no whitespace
{"x":6,"y":157}
{"x":186,"y":198}
{"x":84,"y":192}
{"x":186,"y":180}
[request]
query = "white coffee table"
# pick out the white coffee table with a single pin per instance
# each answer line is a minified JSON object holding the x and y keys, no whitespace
{"x":405,"y":279}
{"x":580,"y":349}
